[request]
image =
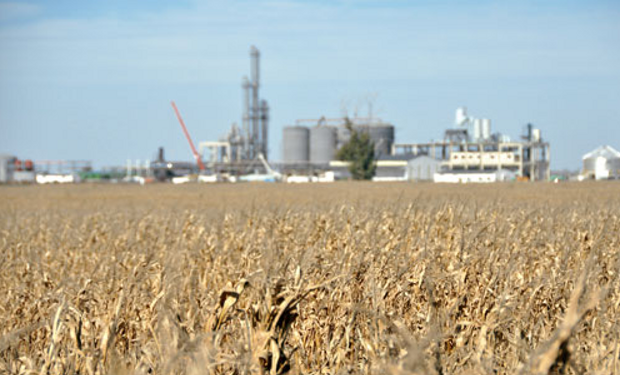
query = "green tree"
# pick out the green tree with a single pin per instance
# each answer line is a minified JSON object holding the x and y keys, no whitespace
{"x":360,"y":153}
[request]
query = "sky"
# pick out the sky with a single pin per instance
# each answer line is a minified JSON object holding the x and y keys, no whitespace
{"x":93,"y":80}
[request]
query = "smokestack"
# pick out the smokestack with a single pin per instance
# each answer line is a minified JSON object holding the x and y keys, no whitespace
{"x":160,"y":155}
{"x":255,"y":83}
{"x":264,"y":119}
{"x":247,"y":135}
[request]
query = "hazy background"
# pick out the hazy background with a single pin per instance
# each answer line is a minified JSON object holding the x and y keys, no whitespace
{"x":93,"y":80}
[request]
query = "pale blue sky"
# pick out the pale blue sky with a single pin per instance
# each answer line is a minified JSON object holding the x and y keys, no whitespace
{"x":93,"y":79}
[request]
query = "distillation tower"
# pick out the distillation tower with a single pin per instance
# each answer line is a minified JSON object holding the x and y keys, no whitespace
{"x":255,"y":112}
{"x":240,"y":148}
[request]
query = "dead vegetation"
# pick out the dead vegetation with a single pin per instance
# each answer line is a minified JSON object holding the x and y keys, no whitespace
{"x":340,"y":279}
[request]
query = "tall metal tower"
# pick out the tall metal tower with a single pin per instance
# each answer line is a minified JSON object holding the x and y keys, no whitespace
{"x":247,"y":134}
{"x":255,"y":112}
{"x":264,"y":121}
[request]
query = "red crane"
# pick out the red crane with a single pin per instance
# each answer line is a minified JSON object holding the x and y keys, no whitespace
{"x":189,"y":139}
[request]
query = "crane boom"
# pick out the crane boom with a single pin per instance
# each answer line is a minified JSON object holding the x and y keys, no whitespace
{"x":189,"y":139}
{"x":268,"y":168}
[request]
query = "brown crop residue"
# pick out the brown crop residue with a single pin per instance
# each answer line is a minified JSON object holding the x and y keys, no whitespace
{"x":345,"y":278}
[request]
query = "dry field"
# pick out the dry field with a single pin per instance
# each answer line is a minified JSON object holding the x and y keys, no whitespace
{"x":346,"y":278}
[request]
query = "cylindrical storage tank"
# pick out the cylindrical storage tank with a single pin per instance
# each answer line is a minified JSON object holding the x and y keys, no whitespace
{"x":589,"y":164}
{"x":486,"y":128}
{"x":536,"y":135}
{"x":461,"y":116}
{"x":295,"y":144}
{"x":322,"y":144}
{"x":344,"y":135}
{"x":477,"y":129}
{"x":381,"y":135}
{"x":601,"y":168}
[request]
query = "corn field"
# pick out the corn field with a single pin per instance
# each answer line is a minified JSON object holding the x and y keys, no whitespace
{"x":344,"y":278}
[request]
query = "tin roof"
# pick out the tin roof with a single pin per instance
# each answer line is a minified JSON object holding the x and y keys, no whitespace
{"x":606,"y":152}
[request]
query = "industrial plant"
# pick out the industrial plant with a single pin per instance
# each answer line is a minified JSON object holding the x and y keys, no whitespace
{"x":18,"y":171}
{"x":470,"y":151}
{"x":238,"y":151}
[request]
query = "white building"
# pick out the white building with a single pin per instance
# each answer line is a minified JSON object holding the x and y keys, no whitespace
{"x":422,"y":168}
{"x":56,"y":178}
{"x":474,"y":176}
{"x":13,"y":171}
{"x":397,"y":168}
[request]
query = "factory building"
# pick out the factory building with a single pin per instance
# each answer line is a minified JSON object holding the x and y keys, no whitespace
{"x":391,"y":168}
{"x":386,"y":170}
{"x":422,"y":168}
{"x":310,"y":146}
{"x":396,"y":168}
{"x":471,"y":146}
{"x":13,"y":170}
{"x":603,"y":163}
{"x":470,"y":149}
{"x":475,"y":176}
{"x":416,"y":168}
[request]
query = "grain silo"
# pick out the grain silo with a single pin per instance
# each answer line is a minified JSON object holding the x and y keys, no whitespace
{"x":322,"y":144}
{"x":295,"y":144}
{"x":602,"y":163}
{"x":486,"y":129}
{"x":477,"y":130}
{"x":343,"y":136}
{"x":382,"y":135}
{"x":461,"y":116}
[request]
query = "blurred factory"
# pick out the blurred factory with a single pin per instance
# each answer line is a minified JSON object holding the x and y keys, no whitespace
{"x":312,"y":144}
{"x":12,"y":169}
{"x":239,"y":155}
{"x":469,"y":151}
{"x":238,"y":151}
{"x":17,"y":171}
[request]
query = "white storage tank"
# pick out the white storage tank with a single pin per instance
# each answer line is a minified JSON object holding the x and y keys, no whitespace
{"x":477,"y":129}
{"x":461,"y":116}
{"x":295,"y":144}
{"x":486,"y":129}
{"x":322,"y":144}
